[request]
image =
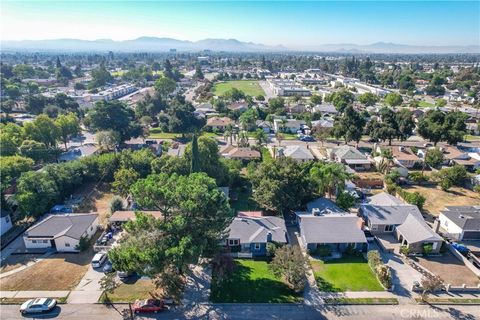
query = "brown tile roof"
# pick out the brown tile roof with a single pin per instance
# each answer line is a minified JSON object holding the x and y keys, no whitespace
{"x":243,"y":153}
{"x":404,"y":154}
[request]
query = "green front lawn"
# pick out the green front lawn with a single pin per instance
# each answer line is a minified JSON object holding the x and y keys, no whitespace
{"x":349,"y":273}
{"x":425,"y":104}
{"x":244,"y":201}
{"x":252,"y":282}
{"x":249,"y":87}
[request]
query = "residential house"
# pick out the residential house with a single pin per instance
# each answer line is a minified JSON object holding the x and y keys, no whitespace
{"x":61,"y":232}
{"x":244,"y":154}
{"x":287,"y":125}
{"x":176,"y":150}
{"x":297,"y":108}
{"x":386,"y":215}
{"x":218,"y":123}
{"x":349,"y":156}
{"x":237,"y":106}
{"x":461,"y":222}
{"x":76,"y":153}
{"x":5,"y":221}
{"x":249,"y":236}
{"x":405,"y":157}
{"x":324,"y":223}
{"x":264,"y":125}
{"x":298,"y":153}
{"x":326,"y":109}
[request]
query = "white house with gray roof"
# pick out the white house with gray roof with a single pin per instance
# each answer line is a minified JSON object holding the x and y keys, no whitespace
{"x":461,"y":222}
{"x":385,"y":214}
{"x":249,"y":235}
{"x":298,"y":153}
{"x":349,"y":156}
{"x":61,"y":232}
{"x":324,"y":223}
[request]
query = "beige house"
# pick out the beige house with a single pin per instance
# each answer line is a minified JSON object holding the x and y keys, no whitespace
{"x":219,"y":123}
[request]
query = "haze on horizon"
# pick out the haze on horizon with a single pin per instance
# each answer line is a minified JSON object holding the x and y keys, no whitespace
{"x":297,"y":25}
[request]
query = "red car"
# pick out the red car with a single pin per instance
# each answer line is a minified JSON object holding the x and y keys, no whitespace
{"x":149,"y":305}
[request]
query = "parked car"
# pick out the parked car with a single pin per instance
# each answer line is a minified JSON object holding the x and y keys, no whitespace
{"x":149,"y":305}
{"x":124,"y":274}
{"x":107,"y":268}
{"x":38,"y":305}
{"x":307,"y":139}
{"x":99,"y":259}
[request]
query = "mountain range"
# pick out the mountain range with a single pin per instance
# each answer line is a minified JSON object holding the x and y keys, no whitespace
{"x":154,"y":44}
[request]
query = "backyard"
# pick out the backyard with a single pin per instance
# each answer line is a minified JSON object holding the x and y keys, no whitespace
{"x":244,"y":201}
{"x":349,"y":273}
{"x":437,"y":199}
{"x":249,"y":87}
{"x":252,"y":282}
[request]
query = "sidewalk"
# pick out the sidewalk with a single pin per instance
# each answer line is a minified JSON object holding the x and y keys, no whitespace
{"x":358,"y":294}
{"x":33,"y":294}
{"x":88,"y":290}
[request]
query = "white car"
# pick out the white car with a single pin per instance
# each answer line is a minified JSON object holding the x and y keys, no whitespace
{"x":38,"y":305}
{"x":98,"y":260}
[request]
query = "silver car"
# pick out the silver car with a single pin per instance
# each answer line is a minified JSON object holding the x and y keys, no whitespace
{"x":38,"y":305}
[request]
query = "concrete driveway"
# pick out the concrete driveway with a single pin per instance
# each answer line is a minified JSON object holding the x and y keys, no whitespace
{"x":88,"y":290}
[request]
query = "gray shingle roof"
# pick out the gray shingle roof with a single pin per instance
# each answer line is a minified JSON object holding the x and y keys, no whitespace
{"x":466,"y":217}
{"x":348,"y":152}
{"x":70,"y":225}
{"x":256,"y":229}
{"x":297,"y":152}
{"x":333,"y":228}
{"x":389,"y":214}
{"x":415,"y":230}
{"x":384,"y":199}
{"x":324,"y":205}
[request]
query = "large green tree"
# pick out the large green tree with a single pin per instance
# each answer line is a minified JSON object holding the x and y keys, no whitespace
{"x":194,"y":221}
{"x":68,"y":126}
{"x":113,"y":115}
{"x":349,"y":125}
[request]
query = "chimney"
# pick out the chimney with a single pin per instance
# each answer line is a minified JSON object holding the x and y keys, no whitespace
{"x":269,"y":237}
{"x":360,"y":223}
{"x":436,"y":225}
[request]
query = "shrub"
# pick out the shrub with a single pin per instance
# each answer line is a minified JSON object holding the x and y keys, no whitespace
{"x":83,"y":244}
{"x":414,"y":198}
{"x":476,"y":189}
{"x":374,"y":259}
{"x":384,"y":275}
{"x":271,"y":247}
{"x":323,"y":250}
{"x":345,"y":200}
{"x":116,"y":204}
{"x":417,"y":177}
{"x":405,"y":250}
{"x":427,"y":248}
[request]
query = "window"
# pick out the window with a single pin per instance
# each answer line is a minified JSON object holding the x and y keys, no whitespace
{"x":7,"y":219}
{"x":34,"y":241}
{"x":389,"y":228}
{"x":257,"y":246}
{"x":374,"y":227}
{"x":45,"y":241}
{"x":67,"y":244}
{"x":233,"y":242}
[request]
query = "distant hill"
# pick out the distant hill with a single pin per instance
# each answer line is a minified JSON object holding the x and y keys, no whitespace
{"x":144,"y":44}
{"x":154,"y":44}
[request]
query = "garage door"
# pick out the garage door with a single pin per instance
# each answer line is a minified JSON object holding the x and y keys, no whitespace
{"x":471,"y":235}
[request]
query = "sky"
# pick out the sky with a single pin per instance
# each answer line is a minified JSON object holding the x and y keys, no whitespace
{"x":295,"y":24}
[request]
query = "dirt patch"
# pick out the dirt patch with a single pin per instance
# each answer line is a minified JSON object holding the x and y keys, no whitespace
{"x":437,"y":199}
{"x":57,"y":272}
{"x":450,"y":269}
{"x":96,"y":199}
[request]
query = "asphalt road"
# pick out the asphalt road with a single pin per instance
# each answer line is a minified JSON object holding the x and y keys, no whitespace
{"x":257,"y":311}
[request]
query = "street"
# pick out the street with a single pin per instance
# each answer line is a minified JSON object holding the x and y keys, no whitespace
{"x":256,"y":311}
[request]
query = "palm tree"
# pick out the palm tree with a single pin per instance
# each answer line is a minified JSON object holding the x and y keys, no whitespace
{"x":261,"y":137}
{"x":279,"y":136}
{"x":243,"y":139}
{"x":228,"y":133}
{"x":387,"y":159}
{"x":330,"y":178}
